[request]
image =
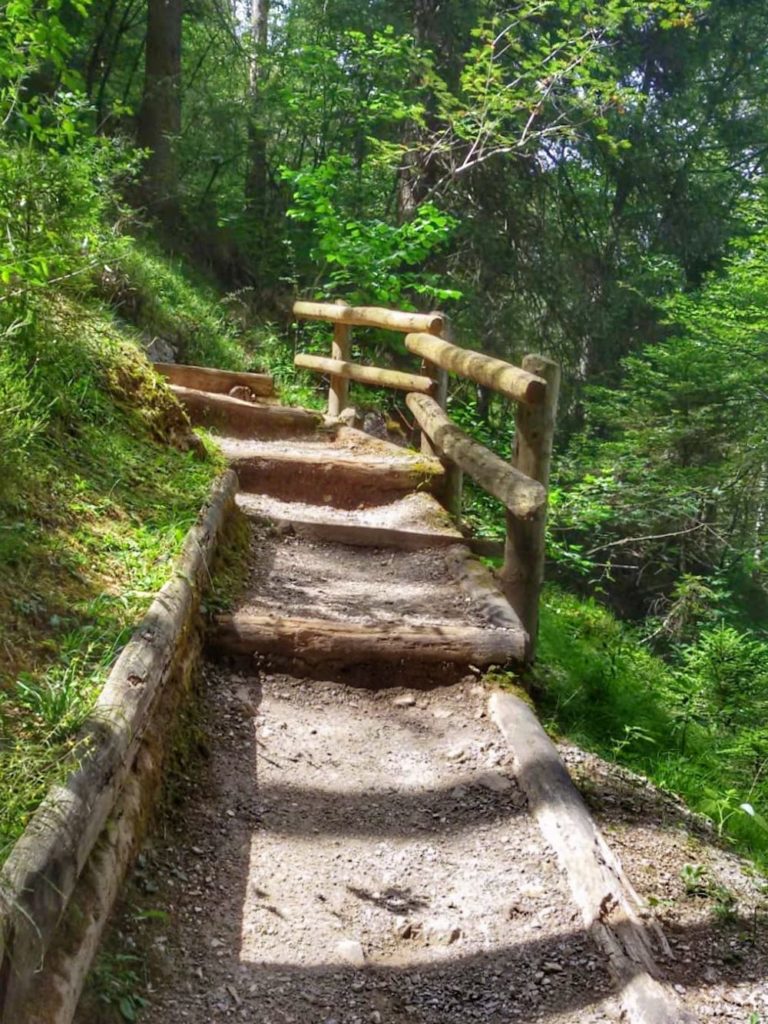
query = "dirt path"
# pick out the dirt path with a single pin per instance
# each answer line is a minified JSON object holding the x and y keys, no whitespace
{"x":352,"y":856}
{"x":347,"y":856}
{"x":360,"y":856}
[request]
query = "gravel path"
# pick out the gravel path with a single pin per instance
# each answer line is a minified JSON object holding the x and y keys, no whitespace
{"x":415,"y":511}
{"x":356,"y":857}
{"x":294,"y":576}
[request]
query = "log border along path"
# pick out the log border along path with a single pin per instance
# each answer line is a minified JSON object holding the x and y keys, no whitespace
{"x":56,"y":904}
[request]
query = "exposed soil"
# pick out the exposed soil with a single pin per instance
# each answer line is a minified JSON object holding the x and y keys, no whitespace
{"x":357,"y":856}
{"x":415,"y":511}
{"x":297,"y":577}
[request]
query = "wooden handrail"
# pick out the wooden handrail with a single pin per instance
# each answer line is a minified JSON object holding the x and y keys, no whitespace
{"x":522,"y":496}
{"x":369,"y":316}
{"x":522,"y":486}
{"x":491,"y":373}
{"x":373,"y":375}
{"x":522,"y":574}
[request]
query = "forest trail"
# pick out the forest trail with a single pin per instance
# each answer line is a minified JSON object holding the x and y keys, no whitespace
{"x":357,"y":848}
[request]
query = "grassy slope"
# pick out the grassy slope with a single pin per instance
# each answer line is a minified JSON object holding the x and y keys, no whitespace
{"x":96,"y":496}
{"x":601,"y":687}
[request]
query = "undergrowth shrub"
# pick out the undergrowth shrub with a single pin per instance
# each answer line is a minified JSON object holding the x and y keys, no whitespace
{"x":165,"y":299}
{"x":693,"y":723}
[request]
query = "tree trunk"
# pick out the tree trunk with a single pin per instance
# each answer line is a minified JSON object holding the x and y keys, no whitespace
{"x":256,"y":175}
{"x":418,"y":173}
{"x":160,"y":114}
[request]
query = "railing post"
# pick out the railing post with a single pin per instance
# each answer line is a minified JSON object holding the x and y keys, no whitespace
{"x":453,"y":483}
{"x":338,"y":392}
{"x":522,"y":574}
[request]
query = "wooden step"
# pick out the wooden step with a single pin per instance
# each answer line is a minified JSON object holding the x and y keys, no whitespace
{"x":245,"y":419}
{"x":325,"y":472}
{"x":219,"y":382}
{"x":366,"y":536}
{"x":349,"y":643}
{"x":408,"y":523}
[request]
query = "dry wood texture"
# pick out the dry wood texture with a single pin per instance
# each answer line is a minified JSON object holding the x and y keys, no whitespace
{"x":365,"y":374}
{"x":54,"y":996}
{"x":41,"y":872}
{"x":521,"y":495}
{"x":344,"y":482}
{"x":341,"y":346}
{"x":369,"y":316}
{"x":479,"y":584}
{"x":206,"y":378}
{"x":610,"y":907}
{"x":243,"y":419}
{"x":320,"y":640}
{"x":517,"y":383}
{"x":523,"y":571}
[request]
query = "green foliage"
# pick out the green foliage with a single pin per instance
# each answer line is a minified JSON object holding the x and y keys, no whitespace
{"x":94,"y":507}
{"x":117,"y":981}
{"x":691,"y":723}
{"x":367,"y":259}
{"x":668,"y":479}
{"x":58,"y":195}
{"x":543,"y":70}
{"x":165,"y":298}
{"x":53,"y":210}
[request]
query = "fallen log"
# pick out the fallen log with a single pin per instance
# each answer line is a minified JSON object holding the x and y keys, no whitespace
{"x":244,"y":419}
{"x":207,"y":378}
{"x":369,"y":316}
{"x":521,"y":495}
{"x":491,"y":373}
{"x":612,"y":911}
{"x":328,"y":640}
{"x":374,"y":375}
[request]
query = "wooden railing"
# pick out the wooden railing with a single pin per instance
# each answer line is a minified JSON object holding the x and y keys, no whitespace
{"x":520,"y":486}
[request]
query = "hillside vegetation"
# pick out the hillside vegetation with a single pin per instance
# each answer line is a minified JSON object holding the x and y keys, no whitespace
{"x":587,"y":180}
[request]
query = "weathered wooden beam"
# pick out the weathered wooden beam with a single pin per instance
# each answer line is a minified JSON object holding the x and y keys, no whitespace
{"x":327,"y":640}
{"x":374,"y":375}
{"x":244,"y":419}
{"x":521,"y":495}
{"x":341,"y":348}
{"x":41,"y":872}
{"x":206,"y":378}
{"x":350,"y":482}
{"x":610,"y":907}
{"x":517,"y":383}
{"x":369,"y":316}
{"x":522,"y":574}
{"x":482,"y":588}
